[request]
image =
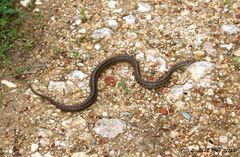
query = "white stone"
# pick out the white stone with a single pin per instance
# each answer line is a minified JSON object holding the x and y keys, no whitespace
{"x":37,"y":154}
{"x":79,"y":154}
{"x":112,"y":4}
{"x":144,"y":7}
{"x":38,"y":2}
{"x":113,"y":23}
{"x":177,"y":91}
{"x":48,"y":155}
{"x":174,"y":134}
{"x":208,"y":47}
{"x":26,"y":3}
{"x":34,"y":147}
{"x":140,"y":56}
{"x":229,"y":101}
{"x":97,"y":46}
{"x":83,"y":30}
{"x":199,"y":69}
{"x":74,"y":123}
{"x":130,"y":19}
{"x":45,"y":133}
{"x":223,"y":139}
{"x":109,"y":128}
{"x":148,"y":17}
{"x":237,"y":52}
{"x":78,"y":21}
{"x":8,"y":84}
{"x":62,"y":144}
{"x":76,"y":75}
{"x":101,"y":33}
{"x":131,"y":35}
{"x":230,"y":29}
{"x":105,"y":114}
{"x":58,"y":86}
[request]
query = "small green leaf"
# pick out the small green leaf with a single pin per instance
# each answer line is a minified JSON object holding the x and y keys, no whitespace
{"x":120,"y":84}
{"x":237,"y":59}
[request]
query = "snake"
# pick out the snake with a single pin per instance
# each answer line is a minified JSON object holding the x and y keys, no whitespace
{"x":89,"y":101}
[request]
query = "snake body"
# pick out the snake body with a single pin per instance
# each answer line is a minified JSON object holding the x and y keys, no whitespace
{"x":162,"y":81}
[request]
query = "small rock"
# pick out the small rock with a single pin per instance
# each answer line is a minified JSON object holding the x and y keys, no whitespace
{"x":61,"y":144}
{"x":101,"y":33}
{"x":97,"y":46}
{"x":110,"y":81}
{"x":109,"y":128}
{"x":199,"y":53}
{"x":163,"y":111}
{"x":130,"y":19}
{"x":223,"y":139}
{"x":76,"y":75}
{"x":38,"y":2}
{"x":58,"y":86}
{"x":83,"y":31}
{"x":237,"y":52}
{"x":48,"y":155}
{"x":210,"y":92}
{"x":148,"y":17}
{"x":229,"y":101}
{"x":37,"y":154}
{"x":74,"y":123}
{"x":208,"y":47}
{"x":105,"y":114}
{"x":113,"y":24}
{"x":186,"y":115}
{"x":34,"y":147}
{"x":8,"y":84}
{"x":140,"y":56}
{"x":25,"y":3}
{"x":79,"y":154}
{"x":199,"y":69}
{"x":174,"y":134}
{"x":178,"y":91}
{"x":131,"y":35}
{"x":112,"y":4}
{"x":144,"y":7}
{"x":230,"y":29}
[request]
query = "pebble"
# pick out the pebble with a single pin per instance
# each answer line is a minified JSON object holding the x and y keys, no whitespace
{"x":25,"y":3}
{"x":113,"y":24}
{"x":230,"y":29}
{"x":229,"y":101}
{"x":37,"y":154}
{"x":174,"y":134}
{"x":38,"y":2}
{"x":48,"y":155}
{"x":131,"y":35}
{"x":130,"y":19}
{"x":208,"y":47}
{"x":223,"y":139}
{"x":186,"y":115}
{"x":83,"y":31}
{"x":74,"y":123}
{"x":58,"y":86}
{"x":140,"y":56}
{"x":237,"y":52}
{"x":112,"y":4}
{"x":101,"y":33}
{"x":8,"y":84}
{"x":77,"y":75}
{"x":34,"y":147}
{"x":199,"y":53}
{"x":178,"y":91}
{"x":199,"y":69}
{"x":79,"y":154}
{"x":97,"y":46}
{"x":109,"y":128}
{"x":144,"y":7}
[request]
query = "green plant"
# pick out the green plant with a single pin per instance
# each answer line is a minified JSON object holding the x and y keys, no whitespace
{"x":8,"y":20}
{"x":237,"y":59}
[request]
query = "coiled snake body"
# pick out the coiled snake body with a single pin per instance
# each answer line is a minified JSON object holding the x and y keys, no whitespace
{"x":162,"y":81}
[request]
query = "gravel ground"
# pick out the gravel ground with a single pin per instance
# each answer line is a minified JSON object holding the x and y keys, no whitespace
{"x":198,"y":114}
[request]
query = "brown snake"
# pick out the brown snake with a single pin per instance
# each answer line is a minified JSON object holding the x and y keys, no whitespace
{"x":162,"y":81}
